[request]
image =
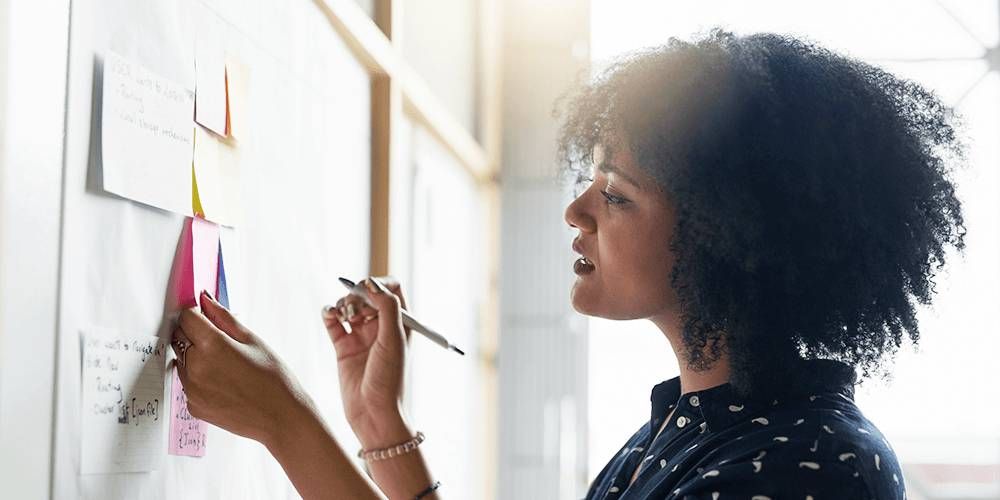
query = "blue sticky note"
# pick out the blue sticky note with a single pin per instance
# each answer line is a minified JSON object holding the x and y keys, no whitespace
{"x":223,"y":292}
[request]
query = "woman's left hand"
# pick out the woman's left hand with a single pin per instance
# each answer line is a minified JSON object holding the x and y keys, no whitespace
{"x":231,"y":378}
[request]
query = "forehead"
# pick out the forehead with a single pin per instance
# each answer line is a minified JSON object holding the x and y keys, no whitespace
{"x":619,"y":163}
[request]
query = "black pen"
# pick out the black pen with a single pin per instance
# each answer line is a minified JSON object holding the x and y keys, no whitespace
{"x":410,"y":321}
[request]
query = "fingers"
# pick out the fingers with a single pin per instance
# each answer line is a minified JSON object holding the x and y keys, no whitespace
{"x":222,"y":318}
{"x":380,"y":297}
{"x":356,"y":309}
{"x":334,"y":327}
{"x":388,"y":306}
{"x":196,"y":327}
{"x":191,"y":394}
{"x":200,"y":331}
{"x":393,"y":285}
{"x":184,"y":371}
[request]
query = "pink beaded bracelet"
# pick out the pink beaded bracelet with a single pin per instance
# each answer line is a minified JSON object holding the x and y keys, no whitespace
{"x":392,"y":451}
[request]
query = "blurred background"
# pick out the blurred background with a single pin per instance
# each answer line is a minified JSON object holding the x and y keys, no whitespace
{"x":467,"y":214}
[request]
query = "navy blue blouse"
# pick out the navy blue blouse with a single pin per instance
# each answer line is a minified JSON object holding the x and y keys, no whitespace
{"x":716,"y":446}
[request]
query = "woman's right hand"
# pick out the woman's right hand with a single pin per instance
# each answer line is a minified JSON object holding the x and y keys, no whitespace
{"x":371,"y":361}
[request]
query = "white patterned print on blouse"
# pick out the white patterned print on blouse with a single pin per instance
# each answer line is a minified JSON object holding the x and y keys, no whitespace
{"x":817,"y":445}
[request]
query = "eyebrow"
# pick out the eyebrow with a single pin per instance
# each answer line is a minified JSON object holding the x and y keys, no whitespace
{"x":605,"y":167}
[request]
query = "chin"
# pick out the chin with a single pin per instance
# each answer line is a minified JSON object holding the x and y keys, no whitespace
{"x":589,"y":305}
{"x":580,"y":301}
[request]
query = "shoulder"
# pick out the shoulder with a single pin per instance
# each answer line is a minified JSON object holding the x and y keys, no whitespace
{"x":632,"y":445}
{"x":819,"y":449}
{"x":852,"y":437}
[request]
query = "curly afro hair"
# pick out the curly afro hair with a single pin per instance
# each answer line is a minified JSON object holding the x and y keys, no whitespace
{"x":813,"y":195}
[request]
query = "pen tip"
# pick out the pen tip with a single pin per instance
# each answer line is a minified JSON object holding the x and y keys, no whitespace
{"x":457,"y":350}
{"x":348,"y":283}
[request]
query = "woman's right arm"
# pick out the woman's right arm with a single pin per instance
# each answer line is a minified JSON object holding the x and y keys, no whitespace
{"x":235,"y":381}
{"x":371,"y":362}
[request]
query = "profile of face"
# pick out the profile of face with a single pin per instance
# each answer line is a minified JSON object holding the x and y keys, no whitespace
{"x":625,"y":226}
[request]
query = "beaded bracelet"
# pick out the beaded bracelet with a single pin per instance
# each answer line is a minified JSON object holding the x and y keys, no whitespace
{"x":393,"y":451}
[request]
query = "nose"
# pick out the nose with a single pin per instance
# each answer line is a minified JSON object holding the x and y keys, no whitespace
{"x":577,"y":216}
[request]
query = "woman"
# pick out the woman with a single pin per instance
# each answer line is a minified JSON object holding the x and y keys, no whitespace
{"x":773,"y":208}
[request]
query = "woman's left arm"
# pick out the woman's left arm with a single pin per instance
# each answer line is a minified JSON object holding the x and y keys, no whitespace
{"x":234,"y":381}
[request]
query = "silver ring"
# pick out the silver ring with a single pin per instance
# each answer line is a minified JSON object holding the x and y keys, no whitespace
{"x":182,"y":348}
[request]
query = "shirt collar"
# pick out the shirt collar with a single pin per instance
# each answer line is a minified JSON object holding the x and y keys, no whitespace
{"x":721,"y":406}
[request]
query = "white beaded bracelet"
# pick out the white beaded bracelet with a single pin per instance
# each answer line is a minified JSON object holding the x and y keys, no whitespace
{"x":392,"y":451}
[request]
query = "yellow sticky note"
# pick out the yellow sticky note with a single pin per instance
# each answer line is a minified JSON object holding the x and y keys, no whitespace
{"x":195,"y":199}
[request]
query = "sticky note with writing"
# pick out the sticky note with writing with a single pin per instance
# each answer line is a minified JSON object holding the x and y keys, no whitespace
{"x":147,"y":135}
{"x":187,"y":433}
{"x":122,"y":383}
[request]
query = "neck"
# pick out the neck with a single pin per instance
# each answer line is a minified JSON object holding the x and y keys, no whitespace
{"x":691,"y":380}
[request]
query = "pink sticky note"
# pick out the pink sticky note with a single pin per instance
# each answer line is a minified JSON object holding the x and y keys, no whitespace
{"x":205,"y":250}
{"x":196,"y":265}
{"x":187,"y":433}
{"x":196,"y":268}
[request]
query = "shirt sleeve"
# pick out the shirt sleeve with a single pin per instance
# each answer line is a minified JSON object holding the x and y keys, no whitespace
{"x":774,"y":479}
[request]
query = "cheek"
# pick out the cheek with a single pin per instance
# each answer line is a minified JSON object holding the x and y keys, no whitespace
{"x":639,"y":275}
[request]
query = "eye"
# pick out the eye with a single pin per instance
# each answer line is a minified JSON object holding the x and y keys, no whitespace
{"x":614,"y":200}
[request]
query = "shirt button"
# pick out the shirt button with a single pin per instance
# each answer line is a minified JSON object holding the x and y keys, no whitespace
{"x":694,"y":400}
{"x":682,"y":421}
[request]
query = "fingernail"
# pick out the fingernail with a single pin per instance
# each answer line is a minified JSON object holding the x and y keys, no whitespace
{"x":209,"y":295}
{"x":350,"y":311}
{"x":328,"y":310}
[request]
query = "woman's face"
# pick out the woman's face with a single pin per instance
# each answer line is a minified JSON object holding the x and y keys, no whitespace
{"x":625,"y":226}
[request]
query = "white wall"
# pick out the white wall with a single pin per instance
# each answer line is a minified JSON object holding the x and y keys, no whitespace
{"x":33,"y":76}
{"x":72,"y":257}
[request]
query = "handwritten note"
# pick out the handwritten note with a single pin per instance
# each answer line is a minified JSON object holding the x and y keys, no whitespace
{"x":122,"y":382}
{"x":147,"y":134}
{"x":187,"y":433}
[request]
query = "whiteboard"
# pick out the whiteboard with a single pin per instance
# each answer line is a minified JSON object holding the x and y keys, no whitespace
{"x":304,"y":183}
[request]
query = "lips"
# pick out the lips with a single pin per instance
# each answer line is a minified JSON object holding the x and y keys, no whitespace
{"x":578,"y":248}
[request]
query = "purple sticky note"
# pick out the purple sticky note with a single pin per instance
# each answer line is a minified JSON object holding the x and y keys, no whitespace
{"x":187,"y":433}
{"x":223,"y":295}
